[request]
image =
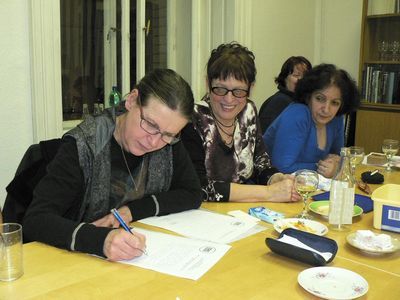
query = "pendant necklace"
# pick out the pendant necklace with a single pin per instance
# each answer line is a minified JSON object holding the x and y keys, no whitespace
{"x":127,"y":167}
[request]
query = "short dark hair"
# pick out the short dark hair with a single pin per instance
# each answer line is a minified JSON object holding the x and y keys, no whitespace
{"x":288,"y":68}
{"x":234,"y":60}
{"x":324,"y":75}
{"x":170,"y":88}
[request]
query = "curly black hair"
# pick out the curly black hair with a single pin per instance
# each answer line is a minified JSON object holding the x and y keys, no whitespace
{"x":321,"y":77}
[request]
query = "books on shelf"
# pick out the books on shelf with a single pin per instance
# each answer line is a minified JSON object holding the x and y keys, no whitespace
{"x":381,"y":84}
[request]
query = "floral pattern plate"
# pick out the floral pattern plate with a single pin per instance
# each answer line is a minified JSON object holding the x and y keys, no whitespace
{"x":333,"y":283}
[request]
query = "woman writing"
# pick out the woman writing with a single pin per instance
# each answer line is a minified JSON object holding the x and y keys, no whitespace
{"x":308,"y":134}
{"x":292,"y":70}
{"x":225,"y":141}
{"x":128,"y":158}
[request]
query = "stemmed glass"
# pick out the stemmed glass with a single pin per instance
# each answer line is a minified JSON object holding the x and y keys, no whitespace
{"x":306,"y":182}
{"x":356,"y":157}
{"x":390,"y":148}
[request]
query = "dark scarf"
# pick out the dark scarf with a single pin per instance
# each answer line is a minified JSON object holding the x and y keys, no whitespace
{"x":93,"y":139}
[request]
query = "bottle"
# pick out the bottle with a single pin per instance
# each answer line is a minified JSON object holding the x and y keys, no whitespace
{"x":341,"y":199}
{"x":96,"y":109}
{"x":115,"y":97}
{"x":85,"y":111}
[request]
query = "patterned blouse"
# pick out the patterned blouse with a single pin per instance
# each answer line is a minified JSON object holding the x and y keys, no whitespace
{"x":217,"y":164}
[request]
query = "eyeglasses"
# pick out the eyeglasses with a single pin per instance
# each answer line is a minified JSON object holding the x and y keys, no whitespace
{"x":221,"y":91}
{"x":153,"y":129}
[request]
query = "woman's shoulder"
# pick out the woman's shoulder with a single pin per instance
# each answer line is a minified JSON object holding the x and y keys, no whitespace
{"x":296,"y":110}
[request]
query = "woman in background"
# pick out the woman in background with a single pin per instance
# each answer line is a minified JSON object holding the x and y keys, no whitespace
{"x":224,"y":140}
{"x":309,"y":133}
{"x":292,"y":70}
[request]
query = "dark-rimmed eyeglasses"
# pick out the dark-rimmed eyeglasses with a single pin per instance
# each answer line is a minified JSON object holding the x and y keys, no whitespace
{"x":221,"y":91}
{"x":153,"y":129}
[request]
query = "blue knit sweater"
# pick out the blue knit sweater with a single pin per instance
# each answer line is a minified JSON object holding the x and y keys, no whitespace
{"x":291,"y":139}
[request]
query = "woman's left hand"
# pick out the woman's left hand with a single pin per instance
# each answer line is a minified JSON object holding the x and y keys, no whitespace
{"x":110,"y":221}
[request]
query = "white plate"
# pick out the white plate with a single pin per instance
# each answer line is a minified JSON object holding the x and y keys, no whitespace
{"x":301,"y":224}
{"x":333,"y":283}
{"x":351,"y":239}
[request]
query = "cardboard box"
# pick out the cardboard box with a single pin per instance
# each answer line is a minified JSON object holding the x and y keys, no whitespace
{"x":387,"y":207}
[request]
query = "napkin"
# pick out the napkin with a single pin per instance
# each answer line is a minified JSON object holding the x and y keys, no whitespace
{"x":368,"y":239}
{"x":295,"y":242}
{"x":362,"y":201}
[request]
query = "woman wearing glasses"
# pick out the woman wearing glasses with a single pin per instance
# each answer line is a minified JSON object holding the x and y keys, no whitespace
{"x":127,"y":158}
{"x":224,"y":140}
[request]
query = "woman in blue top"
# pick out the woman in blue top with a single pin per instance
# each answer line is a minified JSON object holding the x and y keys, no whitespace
{"x":309,"y":134}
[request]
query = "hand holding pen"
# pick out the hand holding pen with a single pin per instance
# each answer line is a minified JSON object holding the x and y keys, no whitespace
{"x":123,"y":245}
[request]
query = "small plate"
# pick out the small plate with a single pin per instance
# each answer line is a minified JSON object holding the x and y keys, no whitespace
{"x":333,"y":283}
{"x":322,"y":208}
{"x":301,"y":224}
{"x":351,"y":239}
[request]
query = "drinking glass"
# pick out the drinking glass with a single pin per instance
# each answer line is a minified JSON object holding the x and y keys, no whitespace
{"x":383,"y":47}
{"x":306,"y":182}
{"x":356,"y":157}
{"x":390,"y":148}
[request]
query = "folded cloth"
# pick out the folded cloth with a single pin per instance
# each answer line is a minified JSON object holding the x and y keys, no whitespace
{"x":362,"y":201}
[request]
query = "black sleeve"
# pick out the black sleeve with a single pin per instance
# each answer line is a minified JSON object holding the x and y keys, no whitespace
{"x":212,"y":190}
{"x":51,"y":217}
{"x":271,"y":109}
{"x":184,"y":193}
{"x":262,"y":163}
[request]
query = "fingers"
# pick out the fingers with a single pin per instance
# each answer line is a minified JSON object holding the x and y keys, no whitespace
{"x":283,"y":191}
{"x":107,"y":221}
{"x":123,"y":245}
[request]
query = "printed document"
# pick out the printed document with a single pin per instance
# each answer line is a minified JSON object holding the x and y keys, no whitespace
{"x":204,"y":225}
{"x":178,"y":256}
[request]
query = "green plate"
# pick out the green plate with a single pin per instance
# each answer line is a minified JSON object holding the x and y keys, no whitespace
{"x":322,"y":208}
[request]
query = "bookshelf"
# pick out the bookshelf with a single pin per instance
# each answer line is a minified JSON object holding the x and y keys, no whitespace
{"x":379,"y":76}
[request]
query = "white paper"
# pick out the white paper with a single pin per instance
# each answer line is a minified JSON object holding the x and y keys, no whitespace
{"x":324,"y":183}
{"x":204,"y":225}
{"x":242,"y":215}
{"x":295,"y":242}
{"x":178,"y":256}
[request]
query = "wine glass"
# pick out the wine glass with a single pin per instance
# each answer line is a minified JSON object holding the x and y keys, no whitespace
{"x":306,"y":182}
{"x":390,"y":148}
{"x":356,"y":157}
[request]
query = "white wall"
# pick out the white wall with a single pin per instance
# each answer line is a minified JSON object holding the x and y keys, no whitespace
{"x":321,"y":30}
{"x":279,"y":29}
{"x":15,"y":89}
{"x":341,"y":34}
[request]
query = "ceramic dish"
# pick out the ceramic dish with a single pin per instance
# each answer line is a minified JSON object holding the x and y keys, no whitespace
{"x":301,"y":224}
{"x":322,"y":208}
{"x":351,"y":239}
{"x":333,"y":283}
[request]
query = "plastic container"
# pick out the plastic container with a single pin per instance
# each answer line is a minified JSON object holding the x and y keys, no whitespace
{"x":387,"y":207}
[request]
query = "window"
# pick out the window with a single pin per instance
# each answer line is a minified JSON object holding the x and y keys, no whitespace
{"x":96,"y":46}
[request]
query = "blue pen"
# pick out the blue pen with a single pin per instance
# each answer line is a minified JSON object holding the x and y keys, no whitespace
{"x":123,"y":224}
{"x":120,"y":220}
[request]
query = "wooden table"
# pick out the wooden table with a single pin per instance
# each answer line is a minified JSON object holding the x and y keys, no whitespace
{"x":248,"y":271}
